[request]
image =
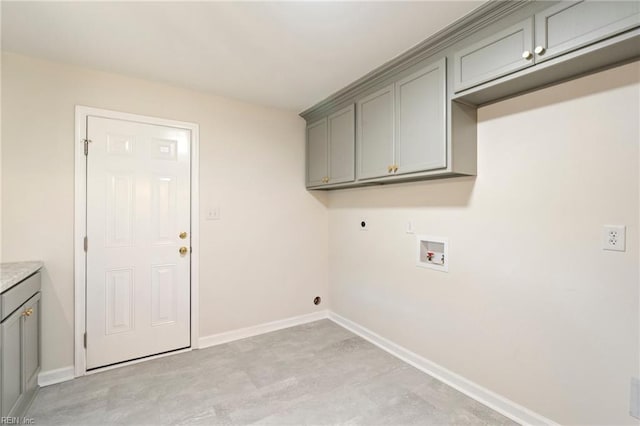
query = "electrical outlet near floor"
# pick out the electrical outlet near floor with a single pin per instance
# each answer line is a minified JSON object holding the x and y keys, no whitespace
{"x":613,"y":237}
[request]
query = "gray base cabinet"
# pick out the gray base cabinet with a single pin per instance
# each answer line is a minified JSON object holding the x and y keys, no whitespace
{"x":12,"y":365}
{"x":20,"y":350}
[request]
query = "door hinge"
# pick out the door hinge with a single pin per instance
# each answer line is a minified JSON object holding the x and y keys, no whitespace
{"x":86,"y":243}
{"x":85,"y":340}
{"x":86,"y":146}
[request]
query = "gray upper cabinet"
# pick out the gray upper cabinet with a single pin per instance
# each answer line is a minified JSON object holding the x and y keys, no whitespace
{"x":375,"y":134}
{"x":502,"y":53}
{"x":402,"y":128}
{"x":317,"y":153}
{"x":416,"y":116}
{"x":342,"y":146}
{"x":570,"y":25}
{"x":420,"y":142}
{"x":331,"y":149}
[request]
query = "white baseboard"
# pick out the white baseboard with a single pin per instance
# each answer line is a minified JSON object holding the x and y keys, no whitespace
{"x":492,"y":400}
{"x":242,"y":333}
{"x":51,"y":377}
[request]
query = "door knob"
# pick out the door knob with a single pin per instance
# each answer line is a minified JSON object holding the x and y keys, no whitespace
{"x":540,"y":50}
{"x":527,"y":55}
{"x":183,"y":235}
{"x":183,"y":250}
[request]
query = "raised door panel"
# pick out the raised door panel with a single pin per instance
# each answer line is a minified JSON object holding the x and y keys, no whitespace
{"x":342,"y":140}
{"x":317,"y":153}
{"x":570,"y":25}
{"x":31,"y":343}
{"x":119,"y":298}
{"x":500,"y":54}
{"x":164,"y":294}
{"x":421,"y":142}
{"x":12,"y":364}
{"x":375,"y":124}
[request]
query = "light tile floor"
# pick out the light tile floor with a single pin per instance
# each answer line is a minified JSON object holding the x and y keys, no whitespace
{"x":313,"y":374}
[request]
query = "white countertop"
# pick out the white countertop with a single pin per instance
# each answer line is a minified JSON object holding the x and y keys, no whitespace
{"x":11,"y":273}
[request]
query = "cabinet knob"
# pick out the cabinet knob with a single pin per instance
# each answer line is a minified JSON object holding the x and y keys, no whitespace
{"x":395,"y":168}
{"x":540,"y":50}
{"x":527,"y":55}
{"x":389,"y":169}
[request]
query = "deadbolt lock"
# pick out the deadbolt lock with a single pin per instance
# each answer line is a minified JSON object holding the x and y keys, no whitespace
{"x":183,"y":250}
{"x":183,"y":235}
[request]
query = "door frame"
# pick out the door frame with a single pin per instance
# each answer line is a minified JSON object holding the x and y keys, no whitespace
{"x":80,"y":221}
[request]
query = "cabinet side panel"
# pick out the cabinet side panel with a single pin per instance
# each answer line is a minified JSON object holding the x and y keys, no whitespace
{"x":464,"y":129}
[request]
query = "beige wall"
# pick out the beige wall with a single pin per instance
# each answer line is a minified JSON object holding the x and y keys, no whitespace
{"x":532,"y":307}
{"x":264,"y":260}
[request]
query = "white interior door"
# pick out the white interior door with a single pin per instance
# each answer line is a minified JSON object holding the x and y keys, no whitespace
{"x":138,"y":204}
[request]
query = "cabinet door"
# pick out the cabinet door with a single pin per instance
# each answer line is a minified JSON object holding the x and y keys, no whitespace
{"x":375,"y":133}
{"x":317,"y":153}
{"x":569,"y":25}
{"x":421,"y":142}
{"x":31,"y":343}
{"x":12,"y":365}
{"x":500,"y":54}
{"x":342,"y":141}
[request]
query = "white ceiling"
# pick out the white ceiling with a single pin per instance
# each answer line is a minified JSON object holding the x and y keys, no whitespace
{"x":284,"y":54}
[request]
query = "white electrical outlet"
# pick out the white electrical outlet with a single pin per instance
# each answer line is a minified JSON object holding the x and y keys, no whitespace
{"x":409,"y":227}
{"x":613,"y":237}
{"x":213,"y":213}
